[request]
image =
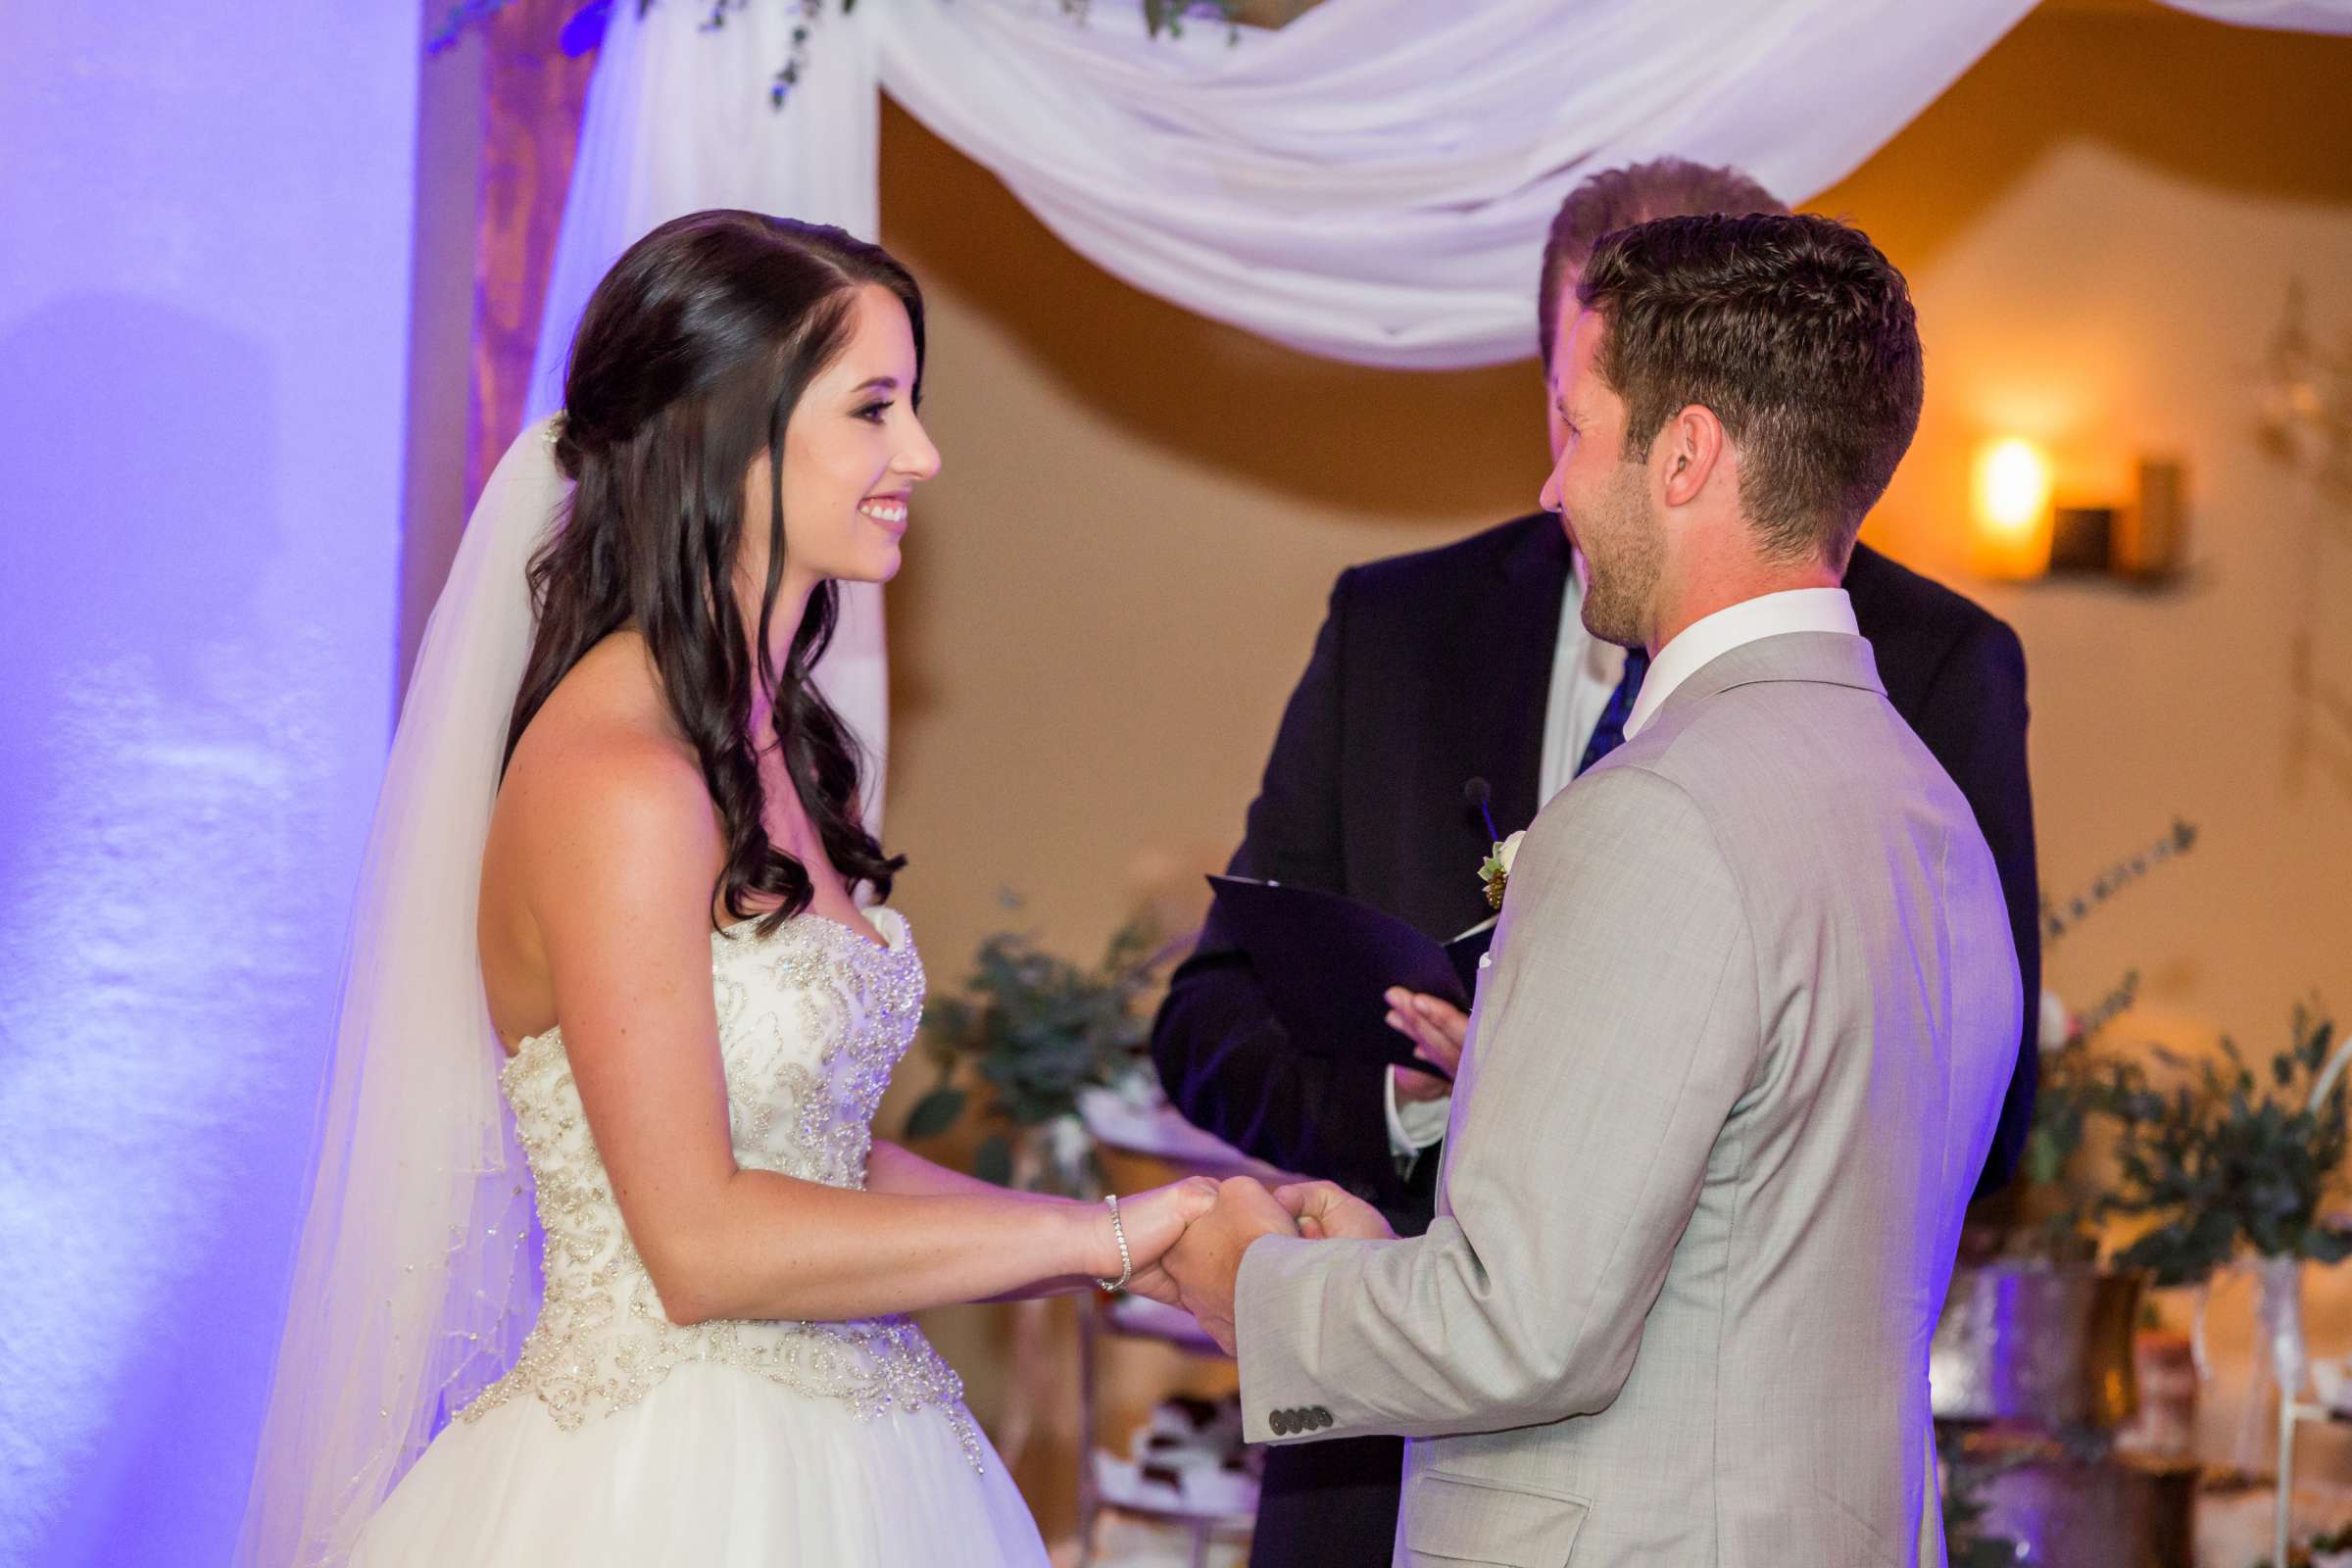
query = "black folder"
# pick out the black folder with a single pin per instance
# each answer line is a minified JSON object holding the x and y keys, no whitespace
{"x":1327,"y":960}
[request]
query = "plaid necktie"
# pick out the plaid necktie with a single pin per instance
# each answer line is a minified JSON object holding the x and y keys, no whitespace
{"x":1609,"y":733}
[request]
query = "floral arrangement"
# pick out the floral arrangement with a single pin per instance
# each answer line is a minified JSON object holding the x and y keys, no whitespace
{"x":2048,"y":1222}
{"x":2037,"y":1216}
{"x":1035,"y":1030}
{"x":2230,"y":1162}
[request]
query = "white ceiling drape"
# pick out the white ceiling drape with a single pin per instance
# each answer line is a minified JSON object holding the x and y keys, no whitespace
{"x":1370,"y":184}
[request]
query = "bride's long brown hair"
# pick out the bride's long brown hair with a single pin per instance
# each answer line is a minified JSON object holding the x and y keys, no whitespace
{"x":688,"y":362}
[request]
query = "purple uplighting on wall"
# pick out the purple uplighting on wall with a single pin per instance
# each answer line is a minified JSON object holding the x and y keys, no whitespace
{"x":205,"y":253}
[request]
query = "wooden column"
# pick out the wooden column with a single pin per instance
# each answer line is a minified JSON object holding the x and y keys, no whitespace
{"x":532,"y":94}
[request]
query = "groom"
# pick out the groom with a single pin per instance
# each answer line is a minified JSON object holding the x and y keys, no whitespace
{"x":1748,"y":1018}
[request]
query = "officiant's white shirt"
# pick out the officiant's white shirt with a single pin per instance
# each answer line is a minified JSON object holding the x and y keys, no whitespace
{"x":1585,"y":671}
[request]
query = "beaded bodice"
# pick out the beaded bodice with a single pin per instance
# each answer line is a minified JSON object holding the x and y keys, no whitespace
{"x":812,"y":1021}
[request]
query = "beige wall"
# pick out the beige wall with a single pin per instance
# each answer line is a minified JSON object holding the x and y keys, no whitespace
{"x":2100,"y":222}
{"x":1114,"y":585}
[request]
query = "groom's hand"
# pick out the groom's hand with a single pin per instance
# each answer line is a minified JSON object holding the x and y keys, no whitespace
{"x":1208,"y":1261}
{"x":1324,"y":1211}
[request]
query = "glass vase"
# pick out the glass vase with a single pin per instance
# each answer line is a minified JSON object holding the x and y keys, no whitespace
{"x":2280,"y":1363}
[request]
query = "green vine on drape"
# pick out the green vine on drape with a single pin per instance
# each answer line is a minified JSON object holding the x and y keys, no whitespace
{"x":1160,"y":16}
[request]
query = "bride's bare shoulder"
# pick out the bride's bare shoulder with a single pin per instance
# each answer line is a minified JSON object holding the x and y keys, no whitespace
{"x":603,"y":834}
{"x":603,"y":757}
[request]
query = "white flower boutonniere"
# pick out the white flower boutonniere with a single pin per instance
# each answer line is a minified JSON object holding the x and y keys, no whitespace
{"x":1495,"y":870}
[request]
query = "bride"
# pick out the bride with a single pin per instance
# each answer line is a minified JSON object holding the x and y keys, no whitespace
{"x":614,"y":770}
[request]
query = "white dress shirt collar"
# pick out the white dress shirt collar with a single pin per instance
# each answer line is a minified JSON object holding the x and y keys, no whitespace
{"x":1710,"y":637}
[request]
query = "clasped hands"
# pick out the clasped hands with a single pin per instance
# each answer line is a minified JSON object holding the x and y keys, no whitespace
{"x":1188,"y":1251}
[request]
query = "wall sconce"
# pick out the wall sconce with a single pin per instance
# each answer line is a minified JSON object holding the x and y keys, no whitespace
{"x":2013,"y":516}
{"x":2020,"y":531}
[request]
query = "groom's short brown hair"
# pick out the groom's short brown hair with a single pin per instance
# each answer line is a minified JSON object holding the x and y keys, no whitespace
{"x":1799,"y":336}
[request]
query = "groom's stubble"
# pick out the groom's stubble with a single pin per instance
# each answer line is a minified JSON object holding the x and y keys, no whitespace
{"x":1624,"y":545}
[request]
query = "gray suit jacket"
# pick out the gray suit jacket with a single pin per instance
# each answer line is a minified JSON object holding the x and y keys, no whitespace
{"x":1732,"y":1071}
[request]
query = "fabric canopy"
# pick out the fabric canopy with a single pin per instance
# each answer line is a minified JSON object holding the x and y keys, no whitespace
{"x":1370,"y":184}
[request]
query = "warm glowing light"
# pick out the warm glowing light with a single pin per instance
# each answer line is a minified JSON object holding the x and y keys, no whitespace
{"x":2012,"y":532}
{"x":2013,"y":487}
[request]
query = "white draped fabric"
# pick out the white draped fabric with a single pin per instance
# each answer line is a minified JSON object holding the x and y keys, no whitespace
{"x":678,"y":120}
{"x":2297,"y":15}
{"x":1370,"y":184}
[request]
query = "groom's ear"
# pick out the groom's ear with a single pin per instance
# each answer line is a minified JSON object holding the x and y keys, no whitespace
{"x":1687,"y":453}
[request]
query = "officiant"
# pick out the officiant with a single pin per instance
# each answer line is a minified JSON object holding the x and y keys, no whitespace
{"x":1464,"y":674}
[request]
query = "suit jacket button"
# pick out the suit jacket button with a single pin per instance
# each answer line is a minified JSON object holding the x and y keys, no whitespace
{"x":1322,"y":1417}
{"x":1280,"y":1421}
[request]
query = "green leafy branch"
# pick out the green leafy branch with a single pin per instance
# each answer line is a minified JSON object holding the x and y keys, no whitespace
{"x":2059,"y":920}
{"x":1035,"y":1031}
{"x":1159,"y":17}
{"x":2223,"y":1161}
{"x":2050,"y":1221}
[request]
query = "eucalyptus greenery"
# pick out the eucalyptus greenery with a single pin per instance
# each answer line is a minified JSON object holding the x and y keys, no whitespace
{"x":1170,"y":16}
{"x":1035,"y":1030}
{"x":2229,"y":1161}
{"x":2059,"y":919}
{"x":2043,"y":1217}
{"x":1159,"y":17}
{"x":2042,"y":1214}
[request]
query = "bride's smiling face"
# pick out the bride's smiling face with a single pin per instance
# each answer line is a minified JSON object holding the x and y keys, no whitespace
{"x":854,"y":452}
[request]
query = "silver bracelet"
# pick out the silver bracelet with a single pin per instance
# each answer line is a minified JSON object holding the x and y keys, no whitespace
{"x":1118,"y":1231}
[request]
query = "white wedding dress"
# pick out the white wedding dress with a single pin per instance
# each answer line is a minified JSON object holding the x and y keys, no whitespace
{"x":620,"y":1438}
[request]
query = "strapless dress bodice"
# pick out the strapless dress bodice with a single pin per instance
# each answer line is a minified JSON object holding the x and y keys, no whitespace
{"x":812,"y":1020}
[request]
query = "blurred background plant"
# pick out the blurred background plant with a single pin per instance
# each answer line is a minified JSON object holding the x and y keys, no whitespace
{"x":1027,"y":1034}
{"x":2225,"y":1161}
{"x":2047,"y":1211}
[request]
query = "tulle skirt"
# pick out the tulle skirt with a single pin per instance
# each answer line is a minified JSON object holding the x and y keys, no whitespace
{"x":716,"y":1467}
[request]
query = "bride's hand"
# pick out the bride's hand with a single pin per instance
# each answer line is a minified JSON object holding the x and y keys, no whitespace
{"x":1154,"y":1222}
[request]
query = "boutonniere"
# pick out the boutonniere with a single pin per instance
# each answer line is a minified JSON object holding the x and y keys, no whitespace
{"x":1494,"y":871}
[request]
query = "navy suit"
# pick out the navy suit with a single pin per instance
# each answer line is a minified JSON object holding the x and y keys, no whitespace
{"x":1431,"y":670}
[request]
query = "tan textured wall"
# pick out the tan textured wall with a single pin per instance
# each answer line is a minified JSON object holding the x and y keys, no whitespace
{"x":1112,"y":587}
{"x":2100,"y":222}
